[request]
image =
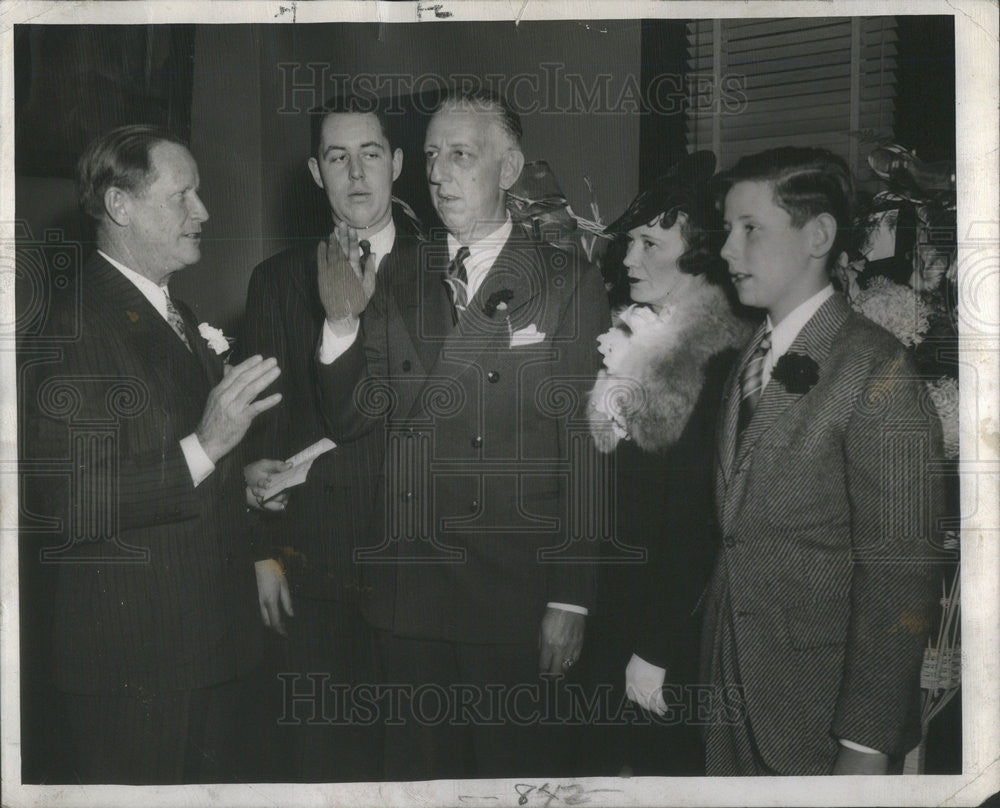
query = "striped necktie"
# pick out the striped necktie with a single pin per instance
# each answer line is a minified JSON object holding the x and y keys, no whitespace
{"x":176,"y":321}
{"x":457,"y":282}
{"x":752,"y":381}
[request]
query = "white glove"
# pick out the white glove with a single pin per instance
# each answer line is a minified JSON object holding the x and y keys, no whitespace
{"x":644,"y":685}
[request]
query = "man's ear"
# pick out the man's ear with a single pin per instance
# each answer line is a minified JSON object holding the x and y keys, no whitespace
{"x":823,"y":232}
{"x":313,"y":164}
{"x":511,"y":164}
{"x":397,"y":163}
{"x":116,"y":205}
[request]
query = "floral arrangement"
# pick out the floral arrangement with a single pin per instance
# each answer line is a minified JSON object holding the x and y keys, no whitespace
{"x":898,"y":309}
{"x":905,"y":279}
{"x":626,"y":346}
{"x":944,"y":394}
{"x":537,"y":200}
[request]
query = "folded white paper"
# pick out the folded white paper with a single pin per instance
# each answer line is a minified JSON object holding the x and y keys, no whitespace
{"x":301,"y":463}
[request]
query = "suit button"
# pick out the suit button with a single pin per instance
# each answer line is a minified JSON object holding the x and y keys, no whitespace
{"x":474,"y":505}
{"x":729,"y":541}
{"x":493,"y":377}
{"x":229,"y":559}
{"x":407,"y":496}
{"x":406,"y":366}
{"x":329,"y":488}
{"x":477,"y":441}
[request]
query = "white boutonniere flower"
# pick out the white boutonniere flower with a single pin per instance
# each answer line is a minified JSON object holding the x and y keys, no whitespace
{"x":216,"y":340}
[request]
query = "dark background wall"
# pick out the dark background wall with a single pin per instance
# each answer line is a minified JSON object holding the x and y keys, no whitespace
{"x":249,"y":86}
{"x":250,"y":134}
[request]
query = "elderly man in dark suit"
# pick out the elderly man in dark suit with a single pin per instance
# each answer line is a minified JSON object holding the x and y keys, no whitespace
{"x":823,"y":593}
{"x":313,"y":537}
{"x":472,"y":361}
{"x":156,"y":614}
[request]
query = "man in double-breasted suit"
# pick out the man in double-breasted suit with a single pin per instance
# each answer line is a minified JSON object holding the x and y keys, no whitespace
{"x":473,"y":359}
{"x":823,"y":593}
{"x":314,"y":535}
{"x":156,"y":614}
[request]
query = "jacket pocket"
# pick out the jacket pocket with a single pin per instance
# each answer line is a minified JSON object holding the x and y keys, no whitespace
{"x":819,"y":624}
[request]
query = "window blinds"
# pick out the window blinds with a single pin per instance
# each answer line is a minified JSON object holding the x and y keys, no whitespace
{"x":756,"y":84}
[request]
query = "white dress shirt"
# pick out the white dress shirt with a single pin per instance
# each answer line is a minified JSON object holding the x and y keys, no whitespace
{"x":199,"y":464}
{"x":330,"y":345}
{"x":482,"y":255}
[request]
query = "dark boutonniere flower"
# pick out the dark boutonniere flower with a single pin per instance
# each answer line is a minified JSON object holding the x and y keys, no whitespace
{"x":498,"y":301}
{"x":798,"y":373}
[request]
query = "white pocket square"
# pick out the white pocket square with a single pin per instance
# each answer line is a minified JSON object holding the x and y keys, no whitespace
{"x":526,"y":336}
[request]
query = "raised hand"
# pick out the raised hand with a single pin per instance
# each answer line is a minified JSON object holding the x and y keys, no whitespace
{"x":231,"y":405}
{"x":345,"y":286}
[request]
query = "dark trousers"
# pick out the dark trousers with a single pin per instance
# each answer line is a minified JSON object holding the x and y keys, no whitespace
{"x":146,"y":738}
{"x":330,"y":667}
{"x":462,"y":710}
{"x":622,"y":737}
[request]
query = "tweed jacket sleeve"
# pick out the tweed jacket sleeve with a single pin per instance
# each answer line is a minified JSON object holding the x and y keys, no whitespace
{"x":893,"y":495}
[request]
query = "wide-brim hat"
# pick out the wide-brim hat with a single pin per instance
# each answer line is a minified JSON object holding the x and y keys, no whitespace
{"x":685,"y":185}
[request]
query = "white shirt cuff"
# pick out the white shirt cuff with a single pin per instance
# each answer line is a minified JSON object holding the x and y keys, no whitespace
{"x":331,"y":346}
{"x":568,"y":607}
{"x":642,"y":666}
{"x":199,"y":464}
{"x":859,"y":748}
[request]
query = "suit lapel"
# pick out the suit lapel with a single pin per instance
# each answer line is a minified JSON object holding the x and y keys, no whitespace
{"x":814,"y":340}
{"x":137,"y":317}
{"x":428,"y":317}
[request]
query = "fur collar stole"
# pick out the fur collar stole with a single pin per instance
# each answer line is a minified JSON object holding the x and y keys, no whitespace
{"x":655,"y":367}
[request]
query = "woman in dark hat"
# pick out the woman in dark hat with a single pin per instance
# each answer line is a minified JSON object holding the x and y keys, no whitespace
{"x":654,"y":405}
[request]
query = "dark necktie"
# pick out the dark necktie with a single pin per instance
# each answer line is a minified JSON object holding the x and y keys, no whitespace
{"x":457,"y":283}
{"x":366,"y":249}
{"x":752,"y":381}
{"x":176,"y":321}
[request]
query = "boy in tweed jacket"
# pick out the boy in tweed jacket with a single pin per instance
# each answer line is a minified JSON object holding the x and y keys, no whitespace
{"x":823,"y":592}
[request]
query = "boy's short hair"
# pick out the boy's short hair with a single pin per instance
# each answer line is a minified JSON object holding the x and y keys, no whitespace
{"x":806,"y":182}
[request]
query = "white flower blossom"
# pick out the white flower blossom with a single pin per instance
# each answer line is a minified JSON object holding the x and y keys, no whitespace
{"x":898,"y":309}
{"x":216,"y":340}
{"x":944,"y":394}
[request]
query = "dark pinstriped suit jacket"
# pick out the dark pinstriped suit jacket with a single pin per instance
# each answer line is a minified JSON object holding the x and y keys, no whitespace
{"x":155,"y":587}
{"x":328,"y":515}
{"x":481,"y":449}
{"x":826,"y":510}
